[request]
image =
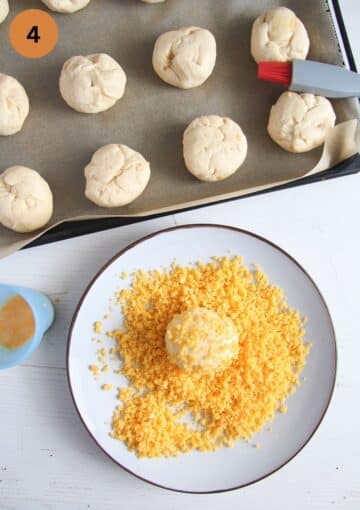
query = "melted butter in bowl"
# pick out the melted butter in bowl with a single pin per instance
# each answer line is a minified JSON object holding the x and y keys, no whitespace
{"x":25,"y":316}
{"x":17,"y":323}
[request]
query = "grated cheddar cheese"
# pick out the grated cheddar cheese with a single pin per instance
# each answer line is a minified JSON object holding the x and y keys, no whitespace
{"x":98,"y":327}
{"x":107,"y":387}
{"x":167,"y":410}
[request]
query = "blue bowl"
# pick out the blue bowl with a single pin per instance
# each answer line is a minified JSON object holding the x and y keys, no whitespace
{"x":43,"y":312}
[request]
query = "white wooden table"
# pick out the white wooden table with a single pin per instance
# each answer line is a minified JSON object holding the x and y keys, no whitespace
{"x":47,"y":459}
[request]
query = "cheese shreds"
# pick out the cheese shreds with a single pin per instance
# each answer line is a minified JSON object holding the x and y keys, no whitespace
{"x":107,"y":387}
{"x":102,"y":355}
{"x":95,"y":370}
{"x":166,"y":410}
{"x":98,"y":327}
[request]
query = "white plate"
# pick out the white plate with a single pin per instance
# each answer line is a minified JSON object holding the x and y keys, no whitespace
{"x":226,"y":468}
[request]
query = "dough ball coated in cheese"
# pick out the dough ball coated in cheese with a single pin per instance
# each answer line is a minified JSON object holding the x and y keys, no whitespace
{"x":200,"y":339}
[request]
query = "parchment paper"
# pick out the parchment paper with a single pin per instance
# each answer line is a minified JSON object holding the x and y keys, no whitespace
{"x":152,"y":116}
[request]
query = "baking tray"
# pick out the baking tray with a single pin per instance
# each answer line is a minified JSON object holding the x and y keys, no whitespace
{"x":74,"y":228}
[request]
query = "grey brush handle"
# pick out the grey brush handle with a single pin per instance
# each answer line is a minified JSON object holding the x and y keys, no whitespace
{"x":324,"y":79}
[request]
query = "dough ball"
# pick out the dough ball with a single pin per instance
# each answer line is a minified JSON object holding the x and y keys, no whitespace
{"x":14,"y":105}
{"x":279,"y":35}
{"x":66,"y":6}
{"x":4,"y":10}
{"x":299,"y":122}
{"x":92,"y":84}
{"x":153,"y":1}
{"x":214,"y":147}
{"x":185,"y":58}
{"x":116,"y":176}
{"x":201,"y":339}
{"x":26,"y":201}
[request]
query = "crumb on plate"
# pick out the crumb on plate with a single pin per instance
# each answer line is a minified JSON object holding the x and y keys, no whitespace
{"x":101,"y":355}
{"x":95,"y":370}
{"x":107,"y":387}
{"x":98,"y":327}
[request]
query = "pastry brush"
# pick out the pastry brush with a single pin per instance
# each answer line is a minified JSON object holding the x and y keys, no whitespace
{"x":314,"y":77}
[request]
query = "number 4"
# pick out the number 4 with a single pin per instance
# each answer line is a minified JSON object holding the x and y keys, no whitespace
{"x":33,"y":35}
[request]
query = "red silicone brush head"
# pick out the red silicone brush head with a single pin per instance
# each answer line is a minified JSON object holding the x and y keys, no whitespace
{"x":276,"y":72}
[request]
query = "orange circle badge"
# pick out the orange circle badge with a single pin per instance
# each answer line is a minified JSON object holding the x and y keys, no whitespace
{"x":33,"y":33}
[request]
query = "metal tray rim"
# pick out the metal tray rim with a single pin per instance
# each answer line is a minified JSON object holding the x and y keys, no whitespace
{"x":69,"y":229}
